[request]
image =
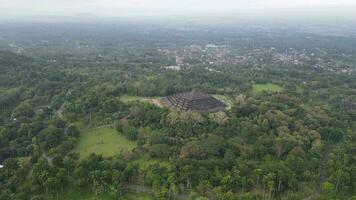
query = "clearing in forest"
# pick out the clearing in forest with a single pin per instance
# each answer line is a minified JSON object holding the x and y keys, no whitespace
{"x":105,"y":141}
{"x":268,"y":87}
{"x":152,"y":100}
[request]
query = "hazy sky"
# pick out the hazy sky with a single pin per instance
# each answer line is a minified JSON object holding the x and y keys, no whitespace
{"x":116,"y":8}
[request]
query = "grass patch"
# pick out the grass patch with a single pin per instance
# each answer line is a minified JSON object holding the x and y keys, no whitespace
{"x":129,"y":98}
{"x":8,"y":90}
{"x":105,"y":141}
{"x":300,"y":89}
{"x":269,"y":87}
{"x":151,"y":100}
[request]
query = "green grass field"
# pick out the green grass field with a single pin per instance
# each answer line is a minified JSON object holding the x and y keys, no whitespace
{"x":105,"y":141}
{"x":269,"y":87}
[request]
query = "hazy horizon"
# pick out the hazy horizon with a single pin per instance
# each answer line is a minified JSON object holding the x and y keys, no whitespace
{"x":69,"y":10}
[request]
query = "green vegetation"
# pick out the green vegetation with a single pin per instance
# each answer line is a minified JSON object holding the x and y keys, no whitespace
{"x":73,"y":194}
{"x":145,"y":161}
{"x":225,"y":99}
{"x":268,"y":87}
{"x":130,"y":98}
{"x":139,"y":196}
{"x":90,"y":126}
{"x":105,"y":141}
{"x":78,"y":195}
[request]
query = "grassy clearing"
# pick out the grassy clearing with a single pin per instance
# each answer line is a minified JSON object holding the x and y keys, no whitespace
{"x":8,"y":90}
{"x":269,"y":87}
{"x":300,"y":89}
{"x":105,"y":141}
{"x":151,"y":100}
{"x":129,"y":98}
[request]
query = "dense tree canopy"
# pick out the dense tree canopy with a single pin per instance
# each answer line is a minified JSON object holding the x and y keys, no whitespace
{"x":286,"y":144}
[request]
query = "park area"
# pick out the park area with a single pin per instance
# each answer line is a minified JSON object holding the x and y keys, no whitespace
{"x":106,"y":141}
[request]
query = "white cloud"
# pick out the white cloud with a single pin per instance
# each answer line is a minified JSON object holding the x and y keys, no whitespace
{"x":136,"y":7}
{"x":301,"y":3}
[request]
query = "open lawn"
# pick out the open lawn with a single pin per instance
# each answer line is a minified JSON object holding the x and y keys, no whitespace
{"x":105,"y":141}
{"x":269,"y":87}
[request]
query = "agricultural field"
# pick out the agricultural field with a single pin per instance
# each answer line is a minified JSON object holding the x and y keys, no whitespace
{"x":268,"y":87}
{"x":105,"y":141}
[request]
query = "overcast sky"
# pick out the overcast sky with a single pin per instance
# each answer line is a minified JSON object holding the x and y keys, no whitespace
{"x":27,"y":9}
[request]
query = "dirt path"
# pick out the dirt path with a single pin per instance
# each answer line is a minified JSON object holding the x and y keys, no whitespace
{"x":45,"y":156}
{"x":59,"y":112}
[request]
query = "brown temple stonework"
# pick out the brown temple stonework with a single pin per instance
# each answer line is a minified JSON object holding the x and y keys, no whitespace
{"x":195,"y":101}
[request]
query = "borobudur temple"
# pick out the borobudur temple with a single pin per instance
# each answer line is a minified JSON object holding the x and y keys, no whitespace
{"x":195,"y":101}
